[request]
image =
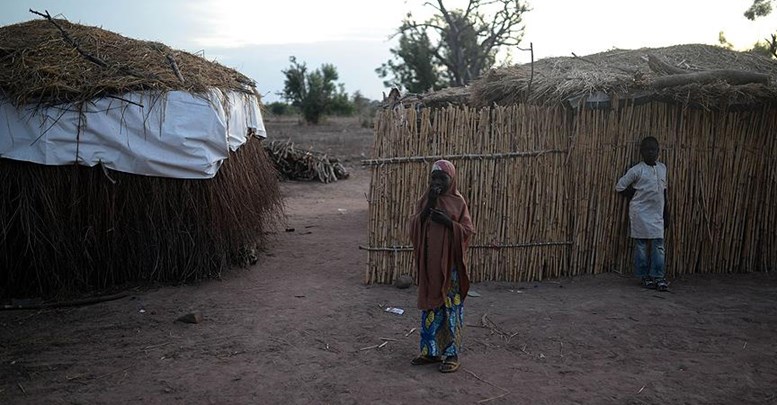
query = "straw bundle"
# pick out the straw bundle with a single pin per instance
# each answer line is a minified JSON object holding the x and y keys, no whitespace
{"x":552,"y":81}
{"x":702,"y":75}
{"x":54,"y":61}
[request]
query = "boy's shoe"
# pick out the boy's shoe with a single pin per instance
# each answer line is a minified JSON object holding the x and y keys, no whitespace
{"x":662,"y":285}
{"x":648,"y":282}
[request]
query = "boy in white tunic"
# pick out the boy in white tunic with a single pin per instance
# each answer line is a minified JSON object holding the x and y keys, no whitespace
{"x":645,"y":185}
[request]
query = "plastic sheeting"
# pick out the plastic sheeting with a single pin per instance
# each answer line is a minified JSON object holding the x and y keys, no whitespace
{"x":176,"y":134}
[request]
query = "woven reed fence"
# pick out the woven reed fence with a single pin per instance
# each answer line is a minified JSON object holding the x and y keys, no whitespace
{"x":67,"y":230}
{"x":540,"y":184}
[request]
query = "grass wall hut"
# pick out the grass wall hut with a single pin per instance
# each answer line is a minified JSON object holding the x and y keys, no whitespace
{"x":124,"y":161}
{"x":539,"y":147}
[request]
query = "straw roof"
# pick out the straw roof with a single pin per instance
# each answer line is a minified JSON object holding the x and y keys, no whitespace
{"x":51,"y":61}
{"x":645,"y":73}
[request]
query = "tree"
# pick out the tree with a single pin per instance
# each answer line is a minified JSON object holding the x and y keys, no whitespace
{"x":455,"y":46}
{"x":723,"y":41}
{"x":762,"y":8}
{"x":281,"y":108}
{"x":766,"y":48}
{"x":759,"y":8}
{"x":314,"y":93}
{"x":415,"y":70}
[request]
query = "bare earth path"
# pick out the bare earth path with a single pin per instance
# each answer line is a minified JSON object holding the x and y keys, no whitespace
{"x":290,"y":331}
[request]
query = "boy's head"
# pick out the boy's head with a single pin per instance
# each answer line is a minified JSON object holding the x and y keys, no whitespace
{"x":648,"y":149}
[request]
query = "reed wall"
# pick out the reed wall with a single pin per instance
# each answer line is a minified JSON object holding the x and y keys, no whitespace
{"x":540,"y":184}
{"x":68,"y":230}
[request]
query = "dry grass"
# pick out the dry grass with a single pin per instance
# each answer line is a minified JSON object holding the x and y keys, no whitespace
{"x":43,"y":65}
{"x":626,"y":72}
{"x":71,"y":228}
{"x":619,"y":73}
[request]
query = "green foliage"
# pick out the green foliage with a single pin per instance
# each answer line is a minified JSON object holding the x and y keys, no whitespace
{"x":341,"y":105}
{"x":762,"y":8}
{"x":314,"y":93}
{"x":413,"y":66}
{"x":762,"y":48}
{"x":723,"y":41}
{"x":759,"y":8}
{"x":454,"y":47}
{"x":365,"y":109}
{"x":280,"y":108}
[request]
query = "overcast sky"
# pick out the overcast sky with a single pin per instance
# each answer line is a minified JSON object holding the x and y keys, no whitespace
{"x":258,"y":37}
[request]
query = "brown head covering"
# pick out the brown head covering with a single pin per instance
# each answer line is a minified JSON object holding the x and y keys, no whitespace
{"x":436,"y":248}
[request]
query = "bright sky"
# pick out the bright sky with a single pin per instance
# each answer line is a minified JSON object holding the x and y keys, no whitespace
{"x":258,"y":37}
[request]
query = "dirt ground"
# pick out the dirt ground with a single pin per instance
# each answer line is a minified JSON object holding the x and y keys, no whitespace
{"x":300,"y":327}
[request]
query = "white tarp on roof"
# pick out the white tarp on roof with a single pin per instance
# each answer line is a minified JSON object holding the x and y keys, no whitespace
{"x":177,"y":134}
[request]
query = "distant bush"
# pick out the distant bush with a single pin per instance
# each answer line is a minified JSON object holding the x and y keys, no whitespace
{"x":281,"y":108}
{"x":340,"y":105}
{"x":315,"y":93}
{"x":365,"y":108}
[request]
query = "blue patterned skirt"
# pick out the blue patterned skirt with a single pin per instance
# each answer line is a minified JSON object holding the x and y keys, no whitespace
{"x":441,"y":327}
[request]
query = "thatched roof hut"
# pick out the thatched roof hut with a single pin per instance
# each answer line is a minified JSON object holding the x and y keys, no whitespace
{"x":54,"y":61}
{"x":540,"y":146}
{"x":124,"y":161}
{"x":701,"y":75}
{"x":709,"y":76}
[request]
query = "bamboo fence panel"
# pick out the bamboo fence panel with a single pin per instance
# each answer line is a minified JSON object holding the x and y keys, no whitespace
{"x":510,"y":168}
{"x":720,"y":190}
{"x":540,"y":184}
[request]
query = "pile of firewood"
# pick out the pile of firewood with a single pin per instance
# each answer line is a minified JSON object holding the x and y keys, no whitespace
{"x":299,"y":164}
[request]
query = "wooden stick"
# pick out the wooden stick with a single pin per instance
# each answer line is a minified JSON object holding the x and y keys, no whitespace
{"x":494,"y":246}
{"x":81,"y":302}
{"x":430,"y":159}
{"x":70,"y":40}
{"x":484,"y":381}
{"x":174,"y":66}
{"x":483,"y":401}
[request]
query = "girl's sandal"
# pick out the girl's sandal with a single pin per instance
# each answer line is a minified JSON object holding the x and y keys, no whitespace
{"x":450,"y":365}
{"x":423,"y":360}
{"x":662,"y":285}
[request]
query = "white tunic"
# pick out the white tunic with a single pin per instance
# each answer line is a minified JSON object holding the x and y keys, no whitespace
{"x":646,"y":209}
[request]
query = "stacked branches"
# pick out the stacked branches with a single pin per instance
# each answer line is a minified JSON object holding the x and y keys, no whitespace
{"x":69,"y":229}
{"x":297,"y":164}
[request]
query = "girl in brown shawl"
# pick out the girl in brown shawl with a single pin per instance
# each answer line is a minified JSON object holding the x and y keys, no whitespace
{"x":440,"y":229}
